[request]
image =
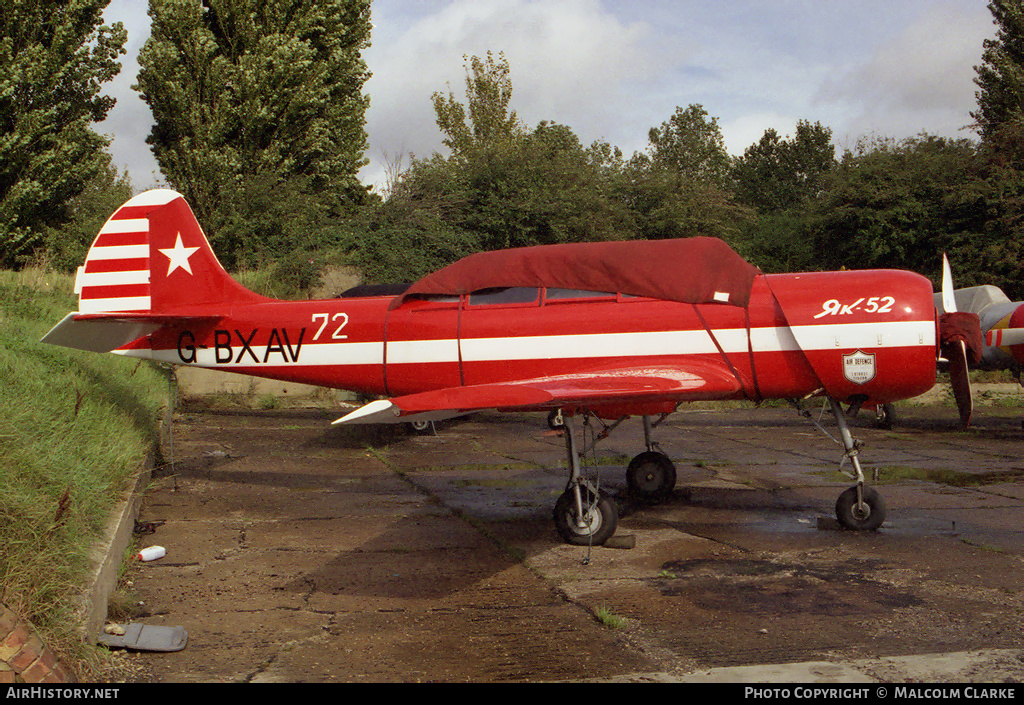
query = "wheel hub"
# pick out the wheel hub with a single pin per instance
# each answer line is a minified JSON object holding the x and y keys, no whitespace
{"x":651,"y":477}
{"x":589,"y":523}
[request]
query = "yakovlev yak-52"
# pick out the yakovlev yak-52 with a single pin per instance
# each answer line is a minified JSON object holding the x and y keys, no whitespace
{"x":607,"y":330}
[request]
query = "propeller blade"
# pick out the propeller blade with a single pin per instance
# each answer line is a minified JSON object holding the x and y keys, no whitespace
{"x":956,"y":353}
{"x":1004,"y":337}
{"x":948,"y":299}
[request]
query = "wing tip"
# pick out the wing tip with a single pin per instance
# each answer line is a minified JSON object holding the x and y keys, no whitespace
{"x":379,"y":411}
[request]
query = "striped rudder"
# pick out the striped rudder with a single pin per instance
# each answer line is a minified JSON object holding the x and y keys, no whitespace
{"x":152,"y":257}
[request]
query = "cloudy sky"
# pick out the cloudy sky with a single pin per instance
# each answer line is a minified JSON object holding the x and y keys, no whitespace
{"x":611,"y":70}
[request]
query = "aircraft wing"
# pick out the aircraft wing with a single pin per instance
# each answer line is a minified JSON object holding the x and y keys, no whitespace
{"x":617,"y":385}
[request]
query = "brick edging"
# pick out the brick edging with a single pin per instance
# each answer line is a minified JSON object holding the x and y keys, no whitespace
{"x":24,"y":658}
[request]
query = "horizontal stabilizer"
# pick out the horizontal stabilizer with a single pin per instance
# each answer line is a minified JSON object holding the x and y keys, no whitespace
{"x":97,"y":334}
{"x":104,"y":332}
{"x":1004,"y":337}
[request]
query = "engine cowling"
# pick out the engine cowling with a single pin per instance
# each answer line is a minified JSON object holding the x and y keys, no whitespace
{"x":869,"y":335}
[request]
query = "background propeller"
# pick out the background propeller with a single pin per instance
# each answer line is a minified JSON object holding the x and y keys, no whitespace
{"x":961,"y":344}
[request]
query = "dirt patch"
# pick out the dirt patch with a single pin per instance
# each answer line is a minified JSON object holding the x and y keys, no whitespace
{"x":763,"y":587}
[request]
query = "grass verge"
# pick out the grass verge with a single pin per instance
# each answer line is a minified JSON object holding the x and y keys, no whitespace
{"x":74,"y":427}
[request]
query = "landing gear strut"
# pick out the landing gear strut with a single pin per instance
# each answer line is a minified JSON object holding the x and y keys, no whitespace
{"x":860,"y":507}
{"x":583,"y":516}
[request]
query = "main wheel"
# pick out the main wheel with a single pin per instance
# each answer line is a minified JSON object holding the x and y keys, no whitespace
{"x":651,"y":476}
{"x":867,"y":517}
{"x":421,"y":426}
{"x":599,"y":518}
{"x":884,"y":416}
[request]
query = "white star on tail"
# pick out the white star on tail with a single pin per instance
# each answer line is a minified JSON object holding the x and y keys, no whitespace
{"x":178,"y":255}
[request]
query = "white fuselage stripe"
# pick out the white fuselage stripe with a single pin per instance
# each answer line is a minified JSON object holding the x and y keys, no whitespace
{"x":592,"y":345}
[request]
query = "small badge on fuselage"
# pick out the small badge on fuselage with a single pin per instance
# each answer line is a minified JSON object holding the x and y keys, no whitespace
{"x":859,"y":367}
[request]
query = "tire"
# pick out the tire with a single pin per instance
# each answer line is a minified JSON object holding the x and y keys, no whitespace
{"x":421,"y":427}
{"x":885,"y":416}
{"x":651,"y":476}
{"x":603,"y":518}
{"x":848,"y":515}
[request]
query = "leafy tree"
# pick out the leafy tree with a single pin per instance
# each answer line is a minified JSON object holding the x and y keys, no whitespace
{"x":486,"y":119}
{"x":1000,"y":77}
{"x":247,"y":93}
{"x":679,"y":187}
{"x":690,"y":143}
{"x":777,"y":173}
{"x":265,"y":217}
{"x":994,"y":255}
{"x":666,"y":204}
{"x":994,"y":252}
{"x":779,"y":241}
{"x":782,"y":179}
{"x":402,"y":239}
{"x":502,"y":185}
{"x":541,"y":187}
{"x":55,"y":57}
{"x":901,"y":205}
{"x":67,"y":245}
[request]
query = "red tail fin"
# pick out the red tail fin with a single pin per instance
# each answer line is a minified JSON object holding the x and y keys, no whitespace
{"x":152,"y":257}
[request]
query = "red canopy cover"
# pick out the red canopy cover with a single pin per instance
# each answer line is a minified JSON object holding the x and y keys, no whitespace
{"x":691,"y":270}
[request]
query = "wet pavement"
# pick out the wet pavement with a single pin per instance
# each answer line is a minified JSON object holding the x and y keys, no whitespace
{"x":297,"y":551}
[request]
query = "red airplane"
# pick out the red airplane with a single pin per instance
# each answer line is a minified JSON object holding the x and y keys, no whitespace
{"x":606,"y":330}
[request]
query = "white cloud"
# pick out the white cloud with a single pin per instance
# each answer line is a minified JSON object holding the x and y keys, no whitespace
{"x":922,"y":80}
{"x":129,"y":121}
{"x":748,"y":129}
{"x":612,"y":70}
{"x":571,"y":62}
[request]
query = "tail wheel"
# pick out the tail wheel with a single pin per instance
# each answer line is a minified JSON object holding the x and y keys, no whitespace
{"x":651,"y":476}
{"x":597,"y":524}
{"x":866,"y":516}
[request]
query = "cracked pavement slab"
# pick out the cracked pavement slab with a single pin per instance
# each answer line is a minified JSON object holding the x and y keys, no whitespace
{"x":301,"y":552}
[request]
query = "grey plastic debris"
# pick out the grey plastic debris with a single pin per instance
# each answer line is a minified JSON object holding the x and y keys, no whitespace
{"x":146,"y":637}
